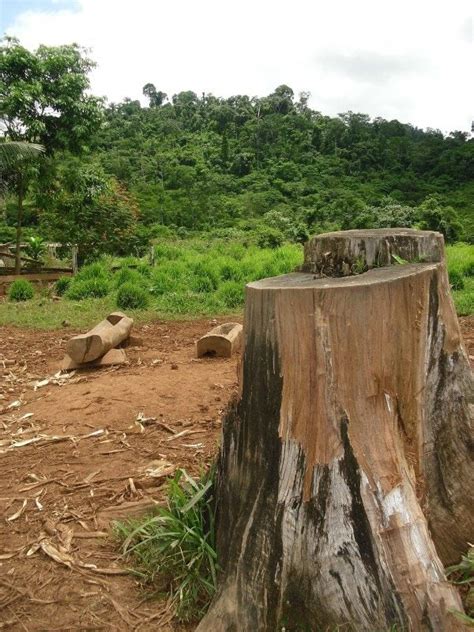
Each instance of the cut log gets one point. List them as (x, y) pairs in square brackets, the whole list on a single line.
[(113, 357), (346, 468), (95, 343), (222, 341)]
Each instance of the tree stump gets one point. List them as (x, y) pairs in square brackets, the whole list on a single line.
[(345, 473)]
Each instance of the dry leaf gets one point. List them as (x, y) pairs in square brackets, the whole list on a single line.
[(19, 512)]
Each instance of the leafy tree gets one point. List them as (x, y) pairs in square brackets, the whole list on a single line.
[(91, 210), (43, 101), (433, 215), (43, 95)]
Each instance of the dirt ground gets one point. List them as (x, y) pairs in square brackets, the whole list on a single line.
[(76, 453), (91, 462)]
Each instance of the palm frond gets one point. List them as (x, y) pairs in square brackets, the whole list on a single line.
[(13, 152)]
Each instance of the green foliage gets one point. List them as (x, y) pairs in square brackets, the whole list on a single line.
[(95, 287), (35, 248), (44, 95), (231, 294), (177, 544), (90, 209), (463, 574), (94, 270), (61, 285), (132, 296), (20, 290), (130, 276), (268, 237)]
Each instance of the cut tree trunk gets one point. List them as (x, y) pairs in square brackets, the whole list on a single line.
[(222, 341), (105, 336), (345, 473)]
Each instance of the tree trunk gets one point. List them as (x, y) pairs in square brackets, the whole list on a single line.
[(345, 474), (105, 336), (19, 222)]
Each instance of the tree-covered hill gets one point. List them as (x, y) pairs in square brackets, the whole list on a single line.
[(113, 177), (203, 161)]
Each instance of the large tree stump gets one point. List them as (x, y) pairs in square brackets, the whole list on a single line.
[(345, 474)]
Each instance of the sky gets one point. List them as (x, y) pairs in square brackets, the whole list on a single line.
[(411, 59)]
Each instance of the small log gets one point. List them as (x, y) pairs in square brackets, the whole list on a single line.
[(346, 466), (113, 357), (105, 336), (222, 341)]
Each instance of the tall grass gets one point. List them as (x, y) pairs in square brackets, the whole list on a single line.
[(176, 545), (192, 278)]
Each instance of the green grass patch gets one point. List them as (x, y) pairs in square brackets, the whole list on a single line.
[(174, 548)]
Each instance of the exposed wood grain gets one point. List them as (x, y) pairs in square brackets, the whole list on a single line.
[(345, 475)]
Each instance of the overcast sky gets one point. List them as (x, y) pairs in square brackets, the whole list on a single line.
[(407, 59)]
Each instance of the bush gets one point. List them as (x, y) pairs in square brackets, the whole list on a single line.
[(177, 544), (268, 237), (62, 285), (131, 296), (80, 289), (95, 270), (231, 293), (129, 275), (20, 290)]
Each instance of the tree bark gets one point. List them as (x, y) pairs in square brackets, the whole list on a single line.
[(345, 474), (105, 336)]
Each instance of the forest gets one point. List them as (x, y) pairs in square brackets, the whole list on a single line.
[(115, 176)]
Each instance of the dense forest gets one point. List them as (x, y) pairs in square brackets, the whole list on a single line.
[(115, 176)]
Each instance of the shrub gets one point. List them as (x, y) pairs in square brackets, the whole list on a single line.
[(96, 270), (131, 296), (162, 282), (87, 288), (177, 544), (20, 290), (204, 277), (62, 285), (231, 293), (268, 237), (230, 270), (128, 275), (167, 252)]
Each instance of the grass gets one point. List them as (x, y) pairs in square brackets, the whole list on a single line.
[(174, 549), (462, 574), (191, 278)]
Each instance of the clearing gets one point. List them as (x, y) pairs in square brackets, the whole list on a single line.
[(72, 487), (59, 569)]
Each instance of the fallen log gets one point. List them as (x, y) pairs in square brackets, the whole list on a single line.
[(222, 341), (346, 468), (105, 336)]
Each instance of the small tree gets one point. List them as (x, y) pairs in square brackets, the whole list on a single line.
[(16, 158)]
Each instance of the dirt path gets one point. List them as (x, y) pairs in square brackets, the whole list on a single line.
[(59, 567), (62, 493)]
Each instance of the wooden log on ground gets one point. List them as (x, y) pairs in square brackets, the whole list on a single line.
[(346, 468), (222, 341), (113, 357), (105, 336)]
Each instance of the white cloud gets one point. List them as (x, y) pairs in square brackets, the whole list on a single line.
[(406, 60)]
